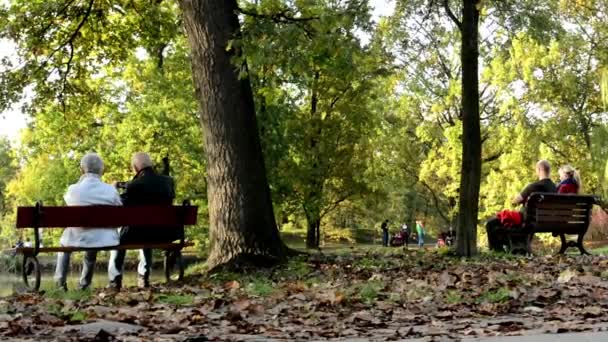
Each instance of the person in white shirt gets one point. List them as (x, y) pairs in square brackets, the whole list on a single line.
[(89, 190)]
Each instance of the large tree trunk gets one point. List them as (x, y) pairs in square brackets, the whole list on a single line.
[(242, 223), (470, 175), (313, 232)]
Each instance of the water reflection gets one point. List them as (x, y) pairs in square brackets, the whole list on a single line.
[(13, 283)]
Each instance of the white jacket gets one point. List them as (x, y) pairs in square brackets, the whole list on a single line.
[(90, 190)]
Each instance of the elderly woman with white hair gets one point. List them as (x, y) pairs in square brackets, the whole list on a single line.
[(89, 190)]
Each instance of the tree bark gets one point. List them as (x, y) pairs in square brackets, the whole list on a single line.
[(313, 232), (242, 223), (470, 175)]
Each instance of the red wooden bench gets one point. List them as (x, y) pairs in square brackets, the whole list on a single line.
[(152, 216)]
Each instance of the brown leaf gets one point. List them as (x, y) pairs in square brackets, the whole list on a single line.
[(241, 305), (592, 311), (446, 280), (589, 280), (232, 285)]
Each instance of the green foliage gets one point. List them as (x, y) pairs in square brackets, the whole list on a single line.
[(175, 299), (495, 296), (75, 295), (369, 291), (260, 287), (453, 297)]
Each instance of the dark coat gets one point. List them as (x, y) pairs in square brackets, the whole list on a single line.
[(149, 188)]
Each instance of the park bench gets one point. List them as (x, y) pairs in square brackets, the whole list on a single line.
[(558, 214), (150, 216)]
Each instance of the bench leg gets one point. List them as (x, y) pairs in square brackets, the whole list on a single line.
[(174, 262), (31, 266), (565, 245), (579, 244), (529, 244)]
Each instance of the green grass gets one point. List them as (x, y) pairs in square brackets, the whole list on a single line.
[(296, 268), (196, 269), (600, 250), (66, 314), (369, 291), (76, 295), (496, 296), (453, 297), (260, 287), (175, 299)]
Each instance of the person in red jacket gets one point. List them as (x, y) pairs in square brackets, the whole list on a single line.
[(570, 180)]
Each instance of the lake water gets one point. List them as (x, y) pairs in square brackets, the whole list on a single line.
[(11, 281)]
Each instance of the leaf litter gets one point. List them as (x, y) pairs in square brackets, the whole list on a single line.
[(375, 295)]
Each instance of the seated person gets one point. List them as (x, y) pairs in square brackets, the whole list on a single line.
[(89, 190), (570, 180), (146, 188), (544, 184)]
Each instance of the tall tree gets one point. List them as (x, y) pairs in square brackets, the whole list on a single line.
[(240, 207), (66, 48), (470, 174)]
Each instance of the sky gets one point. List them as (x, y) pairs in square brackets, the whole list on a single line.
[(13, 120)]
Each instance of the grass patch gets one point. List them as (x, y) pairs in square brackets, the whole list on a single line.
[(260, 287), (75, 295), (175, 299), (225, 276), (77, 316), (196, 269), (453, 297), (68, 315), (370, 291), (600, 250), (500, 295), (296, 268)]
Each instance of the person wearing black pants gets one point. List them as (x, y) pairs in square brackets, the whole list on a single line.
[(384, 228), (544, 184)]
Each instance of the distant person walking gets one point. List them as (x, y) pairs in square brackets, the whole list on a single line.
[(405, 232), (384, 228), (421, 232)]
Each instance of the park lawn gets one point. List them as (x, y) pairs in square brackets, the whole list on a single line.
[(374, 293)]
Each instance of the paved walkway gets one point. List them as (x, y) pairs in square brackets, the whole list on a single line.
[(570, 337)]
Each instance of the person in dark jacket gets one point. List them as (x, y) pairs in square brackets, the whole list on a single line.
[(384, 228), (544, 184), (146, 188)]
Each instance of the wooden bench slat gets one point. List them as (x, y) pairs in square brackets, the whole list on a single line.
[(561, 206), (564, 212), (25, 250), (559, 226), (107, 216), (577, 217)]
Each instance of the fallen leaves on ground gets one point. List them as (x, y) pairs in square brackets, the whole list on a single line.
[(377, 295)]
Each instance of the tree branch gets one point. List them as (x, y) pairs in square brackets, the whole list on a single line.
[(450, 14), (436, 201), (279, 17), (70, 43)]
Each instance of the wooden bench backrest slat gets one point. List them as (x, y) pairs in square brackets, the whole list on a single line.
[(107, 216), (559, 213), (170, 245)]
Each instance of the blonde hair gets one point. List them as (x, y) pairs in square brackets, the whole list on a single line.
[(572, 173)]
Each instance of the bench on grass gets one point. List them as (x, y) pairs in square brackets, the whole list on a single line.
[(150, 216), (558, 214)]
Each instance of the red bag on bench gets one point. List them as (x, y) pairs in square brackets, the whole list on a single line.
[(510, 218)]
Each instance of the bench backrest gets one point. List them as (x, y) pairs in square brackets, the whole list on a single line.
[(106, 216), (559, 213)]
